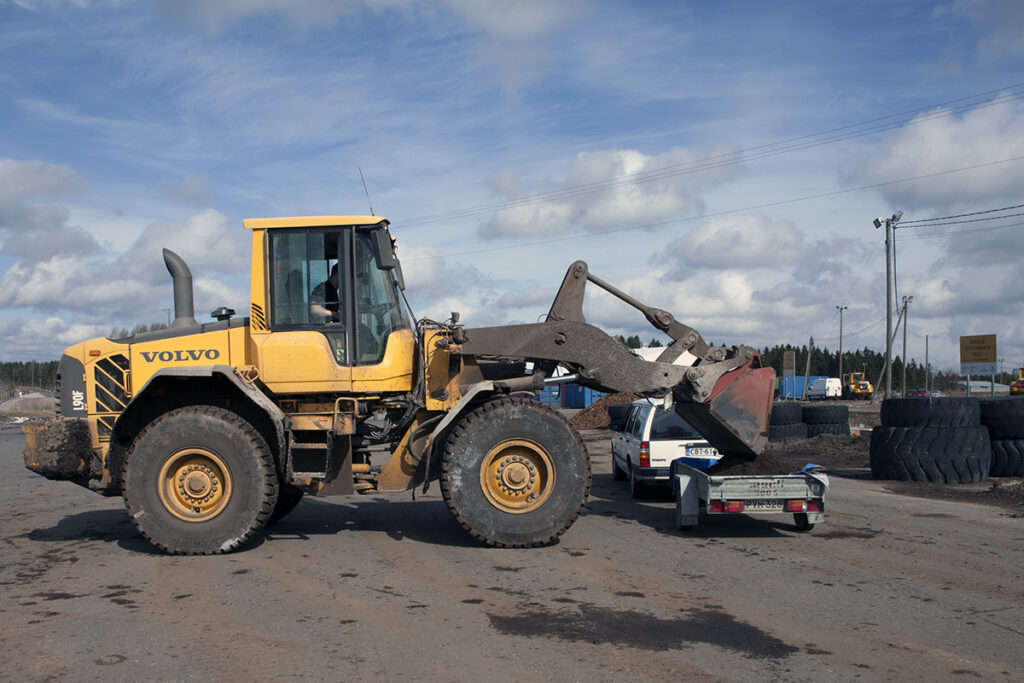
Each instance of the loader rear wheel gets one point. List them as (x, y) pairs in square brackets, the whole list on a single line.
[(200, 480), (514, 473)]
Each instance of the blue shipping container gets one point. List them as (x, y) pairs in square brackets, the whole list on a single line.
[(793, 387)]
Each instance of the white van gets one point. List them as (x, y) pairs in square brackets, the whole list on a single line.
[(825, 387), (647, 442)]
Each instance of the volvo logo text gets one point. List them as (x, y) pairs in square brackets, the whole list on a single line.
[(180, 356)]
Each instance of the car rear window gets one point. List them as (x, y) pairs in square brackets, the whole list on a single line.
[(668, 425)]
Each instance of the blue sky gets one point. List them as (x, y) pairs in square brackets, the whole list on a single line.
[(721, 160)]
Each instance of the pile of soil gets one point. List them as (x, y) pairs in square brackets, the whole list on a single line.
[(831, 451), (33, 405), (732, 465), (595, 416)]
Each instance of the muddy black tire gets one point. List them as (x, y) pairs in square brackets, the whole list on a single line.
[(816, 415), (801, 522), (200, 480), (514, 473), (790, 432), (637, 488), (840, 428), (786, 414), (1004, 417), (1007, 458), (288, 497), (941, 455), (931, 412), (617, 473)]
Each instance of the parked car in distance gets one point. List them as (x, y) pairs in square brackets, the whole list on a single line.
[(924, 393), (825, 387), (649, 439)]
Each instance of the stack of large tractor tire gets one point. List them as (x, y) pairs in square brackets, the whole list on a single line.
[(786, 423), (827, 419), (939, 440), (1004, 418)]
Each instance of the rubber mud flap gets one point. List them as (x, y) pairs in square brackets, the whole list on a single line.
[(60, 449)]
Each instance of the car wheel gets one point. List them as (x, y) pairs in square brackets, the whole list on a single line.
[(637, 489)]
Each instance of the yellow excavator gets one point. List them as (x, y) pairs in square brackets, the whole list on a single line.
[(1017, 382), (210, 431), (856, 387)]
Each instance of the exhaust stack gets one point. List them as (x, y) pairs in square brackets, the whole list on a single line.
[(184, 311)]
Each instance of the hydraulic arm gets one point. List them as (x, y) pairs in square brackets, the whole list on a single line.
[(724, 392)]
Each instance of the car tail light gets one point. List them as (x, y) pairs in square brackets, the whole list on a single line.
[(803, 506), (645, 454), (721, 506)]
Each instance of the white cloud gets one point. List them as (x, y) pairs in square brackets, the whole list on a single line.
[(609, 189), (741, 241), (941, 141)]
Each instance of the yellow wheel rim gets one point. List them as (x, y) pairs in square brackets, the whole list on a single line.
[(195, 485), (517, 476)]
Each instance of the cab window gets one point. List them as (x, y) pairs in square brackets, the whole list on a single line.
[(378, 310), (310, 285)]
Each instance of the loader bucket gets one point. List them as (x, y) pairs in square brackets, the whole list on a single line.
[(734, 419)]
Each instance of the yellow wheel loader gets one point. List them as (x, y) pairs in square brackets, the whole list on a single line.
[(212, 431)]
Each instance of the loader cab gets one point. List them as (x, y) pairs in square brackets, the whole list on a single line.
[(323, 326)]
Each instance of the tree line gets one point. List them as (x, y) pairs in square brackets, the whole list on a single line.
[(825, 362)]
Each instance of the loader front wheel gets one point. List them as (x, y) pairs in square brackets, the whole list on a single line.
[(514, 473), (200, 480)]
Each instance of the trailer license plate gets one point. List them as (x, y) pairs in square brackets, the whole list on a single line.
[(701, 452), (764, 505)]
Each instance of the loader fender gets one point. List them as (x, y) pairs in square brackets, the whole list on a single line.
[(226, 372), (470, 397)]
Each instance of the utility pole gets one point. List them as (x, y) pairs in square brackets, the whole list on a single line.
[(906, 317), (927, 366), (890, 223), (841, 309)]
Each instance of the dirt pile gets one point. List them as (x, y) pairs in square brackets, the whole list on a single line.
[(595, 416), (732, 465), (831, 451), (33, 405)]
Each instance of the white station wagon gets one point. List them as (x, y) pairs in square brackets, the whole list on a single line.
[(649, 439)]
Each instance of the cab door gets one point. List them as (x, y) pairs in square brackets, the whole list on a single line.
[(308, 348)]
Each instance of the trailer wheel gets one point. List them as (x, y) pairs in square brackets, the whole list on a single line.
[(514, 473), (800, 519), (288, 497), (200, 480)]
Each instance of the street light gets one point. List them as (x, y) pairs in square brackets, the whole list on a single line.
[(890, 223), (841, 309)]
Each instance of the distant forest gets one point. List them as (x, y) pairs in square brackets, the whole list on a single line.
[(825, 362)]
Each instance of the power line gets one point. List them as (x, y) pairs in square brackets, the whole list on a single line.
[(921, 221), (963, 232), (726, 212), (731, 158)]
